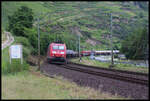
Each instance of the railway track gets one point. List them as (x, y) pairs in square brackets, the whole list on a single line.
[(132, 77), (109, 69), (104, 81)]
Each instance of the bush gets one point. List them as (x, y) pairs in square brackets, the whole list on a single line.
[(23, 40), (32, 36), (26, 52), (27, 48), (45, 40), (14, 67)]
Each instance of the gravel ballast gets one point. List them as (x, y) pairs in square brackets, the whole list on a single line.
[(122, 88)]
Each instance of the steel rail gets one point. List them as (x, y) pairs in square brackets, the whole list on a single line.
[(109, 75), (109, 69)]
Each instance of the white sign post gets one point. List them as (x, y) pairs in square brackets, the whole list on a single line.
[(15, 52)]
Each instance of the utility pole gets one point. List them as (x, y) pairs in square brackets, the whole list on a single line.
[(147, 55), (38, 45), (76, 45), (112, 62), (147, 60), (79, 49), (38, 30)]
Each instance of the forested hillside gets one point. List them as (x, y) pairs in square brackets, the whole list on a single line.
[(91, 20)]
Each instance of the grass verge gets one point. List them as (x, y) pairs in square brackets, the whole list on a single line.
[(33, 85), (87, 61), (15, 65)]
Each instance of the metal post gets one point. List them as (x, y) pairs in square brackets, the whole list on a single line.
[(147, 55), (10, 54), (71, 45), (38, 45), (79, 49), (21, 55), (76, 46), (147, 52), (79, 45), (112, 62)]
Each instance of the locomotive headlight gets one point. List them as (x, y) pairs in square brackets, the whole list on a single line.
[(61, 52), (53, 52)]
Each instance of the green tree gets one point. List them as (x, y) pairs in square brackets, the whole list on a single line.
[(31, 34), (134, 45), (22, 18), (45, 40)]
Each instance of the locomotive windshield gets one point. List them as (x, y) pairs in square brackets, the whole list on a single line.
[(58, 47), (61, 47), (55, 47)]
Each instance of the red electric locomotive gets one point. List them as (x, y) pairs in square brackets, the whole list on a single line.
[(56, 52)]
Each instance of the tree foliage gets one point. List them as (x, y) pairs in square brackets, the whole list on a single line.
[(143, 5), (22, 18), (135, 45)]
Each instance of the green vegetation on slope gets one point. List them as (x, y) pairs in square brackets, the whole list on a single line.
[(9, 7), (67, 20)]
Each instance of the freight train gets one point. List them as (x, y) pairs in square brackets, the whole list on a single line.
[(71, 53), (57, 52)]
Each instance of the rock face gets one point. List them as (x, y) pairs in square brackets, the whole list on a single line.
[(9, 40), (75, 30), (91, 42), (94, 41), (32, 60)]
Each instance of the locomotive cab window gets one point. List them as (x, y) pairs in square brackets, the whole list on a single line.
[(55, 47), (58, 47), (61, 47)]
